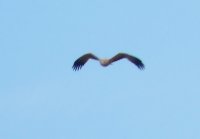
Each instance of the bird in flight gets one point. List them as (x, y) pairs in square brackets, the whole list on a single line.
[(80, 62)]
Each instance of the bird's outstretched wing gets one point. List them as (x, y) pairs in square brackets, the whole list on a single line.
[(131, 58), (82, 60)]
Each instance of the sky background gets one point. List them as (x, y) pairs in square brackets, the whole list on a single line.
[(41, 97)]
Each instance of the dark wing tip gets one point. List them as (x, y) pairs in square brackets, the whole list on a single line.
[(136, 61), (77, 65), (139, 64)]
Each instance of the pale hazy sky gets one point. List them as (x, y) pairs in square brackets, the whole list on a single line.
[(41, 97)]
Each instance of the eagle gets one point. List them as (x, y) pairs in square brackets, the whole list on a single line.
[(80, 62)]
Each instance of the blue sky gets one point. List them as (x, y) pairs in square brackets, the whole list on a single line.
[(41, 97)]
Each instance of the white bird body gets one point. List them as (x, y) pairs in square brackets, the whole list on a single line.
[(104, 62), (80, 62)]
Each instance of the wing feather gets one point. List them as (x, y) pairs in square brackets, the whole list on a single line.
[(80, 62), (131, 58)]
